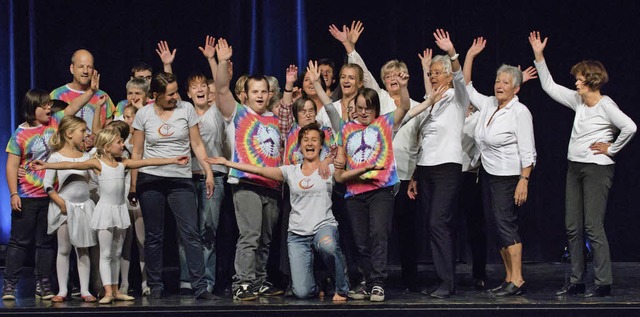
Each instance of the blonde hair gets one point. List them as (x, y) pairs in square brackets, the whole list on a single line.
[(67, 124), (105, 138)]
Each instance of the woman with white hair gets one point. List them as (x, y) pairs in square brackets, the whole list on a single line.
[(504, 136)]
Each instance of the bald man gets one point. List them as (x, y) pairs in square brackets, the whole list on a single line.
[(82, 69)]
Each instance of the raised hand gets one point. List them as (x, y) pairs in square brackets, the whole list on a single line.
[(292, 74), (443, 40), (477, 46), (425, 58), (182, 160), (312, 70), (342, 36), (95, 81), (403, 79), (528, 74), (166, 55), (218, 160), (101, 101), (437, 94), (537, 44), (223, 50), (354, 32), (209, 49)]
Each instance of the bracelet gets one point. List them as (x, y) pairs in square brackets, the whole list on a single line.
[(12, 194), (524, 177), (288, 90), (454, 57)]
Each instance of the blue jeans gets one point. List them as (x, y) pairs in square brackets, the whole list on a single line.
[(209, 214), (326, 242), (154, 192)]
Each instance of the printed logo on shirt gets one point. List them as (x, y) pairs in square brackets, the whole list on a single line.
[(166, 130), (305, 183), (266, 138), (363, 145)]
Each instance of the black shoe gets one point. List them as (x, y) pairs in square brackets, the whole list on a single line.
[(598, 291), (510, 290), (43, 289), (499, 287), (268, 289), (479, 284), (571, 289), (156, 293), (207, 296), (8, 291), (186, 291), (243, 292)]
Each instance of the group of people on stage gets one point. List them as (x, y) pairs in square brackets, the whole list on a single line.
[(338, 165)]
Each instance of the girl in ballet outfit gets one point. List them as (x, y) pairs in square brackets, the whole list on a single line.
[(70, 209), (110, 217)]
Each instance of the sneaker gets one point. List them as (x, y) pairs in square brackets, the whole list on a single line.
[(359, 292), (243, 293), (8, 291), (268, 289), (75, 291), (206, 295), (377, 294), (43, 289)]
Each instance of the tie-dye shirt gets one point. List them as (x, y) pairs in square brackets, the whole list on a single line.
[(257, 142), (66, 94), (32, 143), (367, 145), (293, 155)]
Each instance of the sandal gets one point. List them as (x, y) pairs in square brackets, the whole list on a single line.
[(58, 299), (107, 299), (89, 298)]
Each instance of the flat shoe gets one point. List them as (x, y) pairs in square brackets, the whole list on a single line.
[(58, 299), (123, 297), (89, 298), (107, 299)]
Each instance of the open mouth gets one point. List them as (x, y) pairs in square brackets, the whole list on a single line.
[(310, 149)]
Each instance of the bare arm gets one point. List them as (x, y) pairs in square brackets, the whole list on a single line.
[(444, 43), (225, 101), (137, 150), (132, 164), (425, 61), (475, 49), (76, 104), (315, 77), (201, 153), (166, 56), (209, 52), (94, 164), (13, 164), (273, 173), (290, 78), (405, 102)]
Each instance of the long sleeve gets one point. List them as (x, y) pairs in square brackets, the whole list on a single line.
[(334, 116), (369, 81), (460, 89), (477, 99), (525, 138), (561, 94), (621, 121)]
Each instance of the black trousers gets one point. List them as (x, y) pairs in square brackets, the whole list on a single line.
[(404, 216), (439, 186), (470, 204)]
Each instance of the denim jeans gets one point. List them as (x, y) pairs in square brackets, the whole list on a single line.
[(29, 228), (208, 220), (301, 253), (154, 192), (257, 214)]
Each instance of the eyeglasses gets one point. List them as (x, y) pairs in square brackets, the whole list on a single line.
[(46, 105), (304, 111), (147, 78), (435, 74), (364, 110)]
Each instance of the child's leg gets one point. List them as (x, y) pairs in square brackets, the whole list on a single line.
[(84, 270), (105, 240), (126, 260), (62, 260), (116, 255)]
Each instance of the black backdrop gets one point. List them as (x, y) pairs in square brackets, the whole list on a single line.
[(268, 35)]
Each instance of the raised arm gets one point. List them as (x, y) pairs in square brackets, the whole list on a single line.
[(405, 101), (425, 61), (225, 101), (76, 104), (561, 94), (316, 77), (476, 48), (209, 52), (354, 57), (433, 98), (96, 124), (285, 116), (273, 173), (291, 76), (444, 43), (166, 56)]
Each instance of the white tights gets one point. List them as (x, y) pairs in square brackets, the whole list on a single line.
[(62, 263), (110, 241), (126, 250)]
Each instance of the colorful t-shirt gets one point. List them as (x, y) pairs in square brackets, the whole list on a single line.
[(367, 145), (32, 143), (66, 94), (257, 142), (293, 155)]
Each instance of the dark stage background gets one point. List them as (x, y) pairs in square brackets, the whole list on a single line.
[(38, 37)]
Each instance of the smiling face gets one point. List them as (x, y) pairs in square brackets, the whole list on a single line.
[(198, 91), (438, 76), (81, 68), (349, 81), (307, 86), (327, 74), (77, 136), (503, 88), (258, 95), (136, 95), (365, 114), (307, 114), (168, 99), (311, 145), (115, 148), (391, 81)]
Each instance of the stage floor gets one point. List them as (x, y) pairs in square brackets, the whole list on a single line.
[(543, 279)]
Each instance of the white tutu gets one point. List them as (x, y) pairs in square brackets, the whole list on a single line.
[(110, 216), (78, 218)]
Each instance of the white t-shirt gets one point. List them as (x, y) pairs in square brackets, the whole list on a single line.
[(166, 139), (211, 125), (310, 200)]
